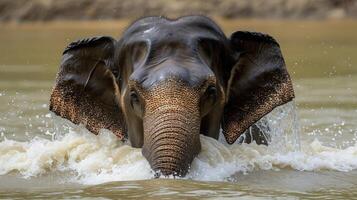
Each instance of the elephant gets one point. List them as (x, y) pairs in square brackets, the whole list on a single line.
[(166, 81)]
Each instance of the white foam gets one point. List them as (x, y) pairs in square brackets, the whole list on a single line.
[(98, 159), (83, 153)]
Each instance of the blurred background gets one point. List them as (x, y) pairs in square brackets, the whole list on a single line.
[(46, 10)]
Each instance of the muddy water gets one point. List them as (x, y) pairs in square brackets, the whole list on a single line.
[(42, 156)]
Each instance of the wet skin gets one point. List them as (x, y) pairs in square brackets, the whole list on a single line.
[(165, 82)]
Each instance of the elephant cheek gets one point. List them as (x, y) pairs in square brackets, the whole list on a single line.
[(171, 141)]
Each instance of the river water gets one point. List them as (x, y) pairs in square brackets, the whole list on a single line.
[(314, 139)]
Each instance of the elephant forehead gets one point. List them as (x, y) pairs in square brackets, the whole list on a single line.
[(191, 73), (156, 28)]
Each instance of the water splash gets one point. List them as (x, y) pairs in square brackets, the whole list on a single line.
[(98, 159), (280, 128)]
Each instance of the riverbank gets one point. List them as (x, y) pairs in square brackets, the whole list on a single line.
[(49, 10)]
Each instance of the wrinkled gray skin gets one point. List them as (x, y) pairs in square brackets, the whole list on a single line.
[(165, 82)]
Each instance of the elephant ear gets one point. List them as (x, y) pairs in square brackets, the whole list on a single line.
[(258, 82), (86, 91)]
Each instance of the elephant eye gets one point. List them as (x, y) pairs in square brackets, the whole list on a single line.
[(136, 102), (134, 97), (208, 99), (211, 91)]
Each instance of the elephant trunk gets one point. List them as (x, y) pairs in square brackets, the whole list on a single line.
[(171, 142), (171, 134)]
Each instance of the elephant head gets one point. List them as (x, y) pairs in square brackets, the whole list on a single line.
[(165, 82)]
